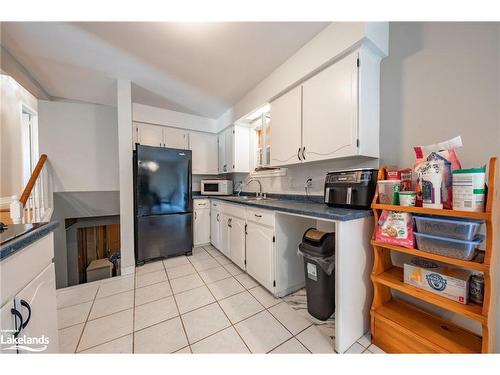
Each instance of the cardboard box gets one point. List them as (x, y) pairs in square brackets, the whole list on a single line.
[(438, 278)]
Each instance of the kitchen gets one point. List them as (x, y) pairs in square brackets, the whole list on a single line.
[(256, 230)]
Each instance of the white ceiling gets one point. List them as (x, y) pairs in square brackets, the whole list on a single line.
[(198, 68)]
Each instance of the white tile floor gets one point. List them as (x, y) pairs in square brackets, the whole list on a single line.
[(198, 304)]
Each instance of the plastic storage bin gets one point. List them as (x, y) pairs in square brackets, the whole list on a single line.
[(448, 247), (459, 229)]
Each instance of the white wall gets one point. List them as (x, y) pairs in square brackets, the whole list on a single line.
[(81, 142), (165, 117), (441, 80), (12, 96), (125, 137)]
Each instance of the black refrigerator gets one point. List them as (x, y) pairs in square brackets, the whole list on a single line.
[(163, 202)]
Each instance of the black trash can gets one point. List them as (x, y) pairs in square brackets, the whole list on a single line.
[(318, 250)]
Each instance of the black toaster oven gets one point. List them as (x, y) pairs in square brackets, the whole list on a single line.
[(351, 188)]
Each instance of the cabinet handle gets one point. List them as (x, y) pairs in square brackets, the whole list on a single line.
[(229, 223), (27, 305), (256, 215), (303, 153), (217, 217), (202, 204), (195, 215), (298, 154), (17, 314)]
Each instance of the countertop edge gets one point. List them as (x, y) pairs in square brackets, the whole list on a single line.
[(26, 239), (353, 215)]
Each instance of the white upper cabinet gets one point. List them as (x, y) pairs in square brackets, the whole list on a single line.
[(334, 114), (149, 135), (286, 128), (175, 138), (234, 149), (161, 136), (329, 110), (204, 152)]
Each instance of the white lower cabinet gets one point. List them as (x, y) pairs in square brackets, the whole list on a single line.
[(215, 225), (37, 304), (260, 254), (224, 234), (237, 241), (33, 312), (201, 227)]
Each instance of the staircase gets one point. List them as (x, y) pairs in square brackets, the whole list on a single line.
[(35, 204)]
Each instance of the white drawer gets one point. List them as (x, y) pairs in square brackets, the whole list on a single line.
[(260, 216), (234, 210), (201, 203), (215, 205)]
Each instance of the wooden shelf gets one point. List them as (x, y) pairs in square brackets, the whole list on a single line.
[(401, 327), (469, 264), (433, 211), (393, 278), (415, 329)]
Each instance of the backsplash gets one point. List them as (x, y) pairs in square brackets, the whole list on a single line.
[(296, 176)]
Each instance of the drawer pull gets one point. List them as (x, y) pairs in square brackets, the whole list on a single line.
[(256, 215), (28, 307), (17, 314)]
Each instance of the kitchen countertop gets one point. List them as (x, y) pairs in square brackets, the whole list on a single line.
[(295, 206), (26, 239)]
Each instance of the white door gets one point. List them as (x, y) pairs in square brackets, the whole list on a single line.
[(214, 228), (229, 148), (149, 135), (37, 302), (224, 235), (204, 153), (221, 153), (237, 241), (201, 227), (286, 128), (330, 99), (260, 254), (8, 325), (175, 138)]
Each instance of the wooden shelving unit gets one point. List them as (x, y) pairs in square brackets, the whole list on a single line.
[(400, 327)]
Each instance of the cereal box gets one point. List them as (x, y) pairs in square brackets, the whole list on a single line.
[(438, 278)]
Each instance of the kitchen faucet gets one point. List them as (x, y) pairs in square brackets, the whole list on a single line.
[(260, 185)]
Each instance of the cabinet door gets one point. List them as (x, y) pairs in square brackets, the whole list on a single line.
[(149, 135), (221, 153), (204, 153), (260, 254), (7, 328), (175, 138), (237, 241), (201, 228), (229, 149), (214, 228), (224, 235), (330, 125), (286, 128), (40, 295)]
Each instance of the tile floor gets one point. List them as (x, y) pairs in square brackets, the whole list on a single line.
[(198, 304)]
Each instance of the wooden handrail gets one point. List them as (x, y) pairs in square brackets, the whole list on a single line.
[(31, 182)]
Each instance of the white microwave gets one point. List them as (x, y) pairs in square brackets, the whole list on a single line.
[(216, 187)]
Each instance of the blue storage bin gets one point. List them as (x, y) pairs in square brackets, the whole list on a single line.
[(460, 229), (448, 247)]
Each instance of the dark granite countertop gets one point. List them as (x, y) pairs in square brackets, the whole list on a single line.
[(19, 243), (297, 206)]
